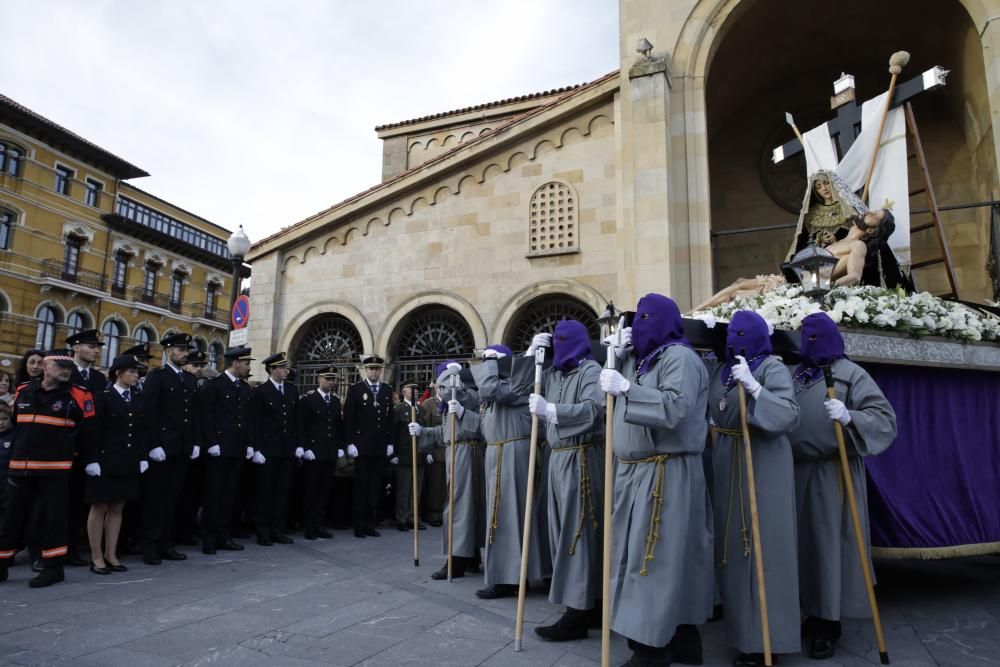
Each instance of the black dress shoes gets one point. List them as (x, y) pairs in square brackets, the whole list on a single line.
[(359, 533), (371, 532), (402, 527), (821, 648), (208, 550), (265, 541), (117, 568), (172, 554), (457, 570), (324, 534), (48, 576), (496, 591), (752, 660), (100, 570), (151, 559), (282, 539), (229, 545), (309, 535)]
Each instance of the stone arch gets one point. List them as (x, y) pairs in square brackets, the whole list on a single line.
[(386, 341), (427, 336), (326, 339), (5, 303), (542, 313), (573, 289), (55, 306), (86, 316), (298, 325)]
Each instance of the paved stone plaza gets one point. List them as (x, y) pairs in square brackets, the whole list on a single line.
[(347, 602)]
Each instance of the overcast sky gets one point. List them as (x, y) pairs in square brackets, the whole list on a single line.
[(262, 113)]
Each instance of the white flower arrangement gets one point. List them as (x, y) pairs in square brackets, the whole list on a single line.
[(866, 307)]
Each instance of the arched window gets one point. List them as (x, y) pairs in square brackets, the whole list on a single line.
[(542, 314), (113, 332), (142, 335), (215, 352), (47, 319), (76, 322), (11, 156), (552, 220), (428, 336), (7, 220), (330, 340)]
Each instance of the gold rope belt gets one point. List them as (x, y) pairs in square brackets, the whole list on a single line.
[(735, 480), (732, 432), (656, 497), (586, 494), (496, 485)]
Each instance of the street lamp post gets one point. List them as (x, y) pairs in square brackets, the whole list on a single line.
[(239, 246)]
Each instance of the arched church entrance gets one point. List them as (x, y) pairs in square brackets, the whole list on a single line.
[(327, 340), (808, 45), (426, 337), (542, 314)]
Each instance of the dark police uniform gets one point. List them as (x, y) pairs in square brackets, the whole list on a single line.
[(225, 422), (273, 433), (321, 431), (367, 426), (51, 425), (169, 394), (118, 449)]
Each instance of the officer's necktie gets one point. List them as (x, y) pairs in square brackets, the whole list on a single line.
[(85, 372), (327, 398), (127, 396), (180, 375), (281, 389)]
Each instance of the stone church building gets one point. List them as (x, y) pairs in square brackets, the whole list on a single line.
[(493, 221)]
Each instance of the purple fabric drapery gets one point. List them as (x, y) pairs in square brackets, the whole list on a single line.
[(936, 492)]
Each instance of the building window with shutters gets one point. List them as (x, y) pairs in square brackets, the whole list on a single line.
[(149, 282), (93, 194), (11, 157), (119, 275), (7, 220), (177, 290), (64, 176), (71, 258)]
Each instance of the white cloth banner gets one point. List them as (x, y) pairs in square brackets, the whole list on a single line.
[(819, 150)]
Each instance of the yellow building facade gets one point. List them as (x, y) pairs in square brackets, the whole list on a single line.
[(81, 248)]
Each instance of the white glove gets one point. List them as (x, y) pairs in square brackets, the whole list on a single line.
[(454, 367), (415, 428), (493, 354), (308, 455), (299, 452), (214, 450), (394, 460), (157, 454), (743, 375), (537, 341), (455, 408), (838, 411), (249, 453), (352, 451), (619, 347), (613, 382), (195, 452), (340, 453), (93, 469), (143, 466), (430, 459), (258, 458), (537, 405), (389, 450)]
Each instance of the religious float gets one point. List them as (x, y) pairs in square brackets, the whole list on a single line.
[(934, 493)]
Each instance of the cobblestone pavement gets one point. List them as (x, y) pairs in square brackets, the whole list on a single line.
[(347, 602)]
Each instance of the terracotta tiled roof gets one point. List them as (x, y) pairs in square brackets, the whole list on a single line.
[(570, 92), (24, 119), (481, 107)]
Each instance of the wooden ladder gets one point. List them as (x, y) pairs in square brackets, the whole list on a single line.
[(932, 207)]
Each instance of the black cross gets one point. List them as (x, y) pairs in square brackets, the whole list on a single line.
[(846, 127)]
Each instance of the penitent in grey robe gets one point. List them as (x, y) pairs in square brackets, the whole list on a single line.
[(662, 549), (771, 416), (469, 530), (831, 584), (575, 483), (505, 424)]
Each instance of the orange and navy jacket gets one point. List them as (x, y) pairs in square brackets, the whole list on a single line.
[(51, 425)]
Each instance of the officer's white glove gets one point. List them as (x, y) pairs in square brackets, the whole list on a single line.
[(430, 459), (394, 460), (249, 453), (215, 450), (308, 455), (838, 411), (352, 451), (143, 466), (157, 454), (93, 469), (537, 341), (299, 452), (613, 382), (454, 367), (340, 453), (743, 375), (195, 452), (493, 354), (415, 428), (455, 408), (389, 450), (619, 346), (258, 458)]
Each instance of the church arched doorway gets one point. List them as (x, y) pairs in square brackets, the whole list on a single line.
[(328, 340), (426, 337), (542, 314), (808, 45)]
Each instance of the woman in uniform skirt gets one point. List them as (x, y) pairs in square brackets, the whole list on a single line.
[(115, 463)]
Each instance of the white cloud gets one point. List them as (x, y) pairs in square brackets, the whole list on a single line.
[(262, 113)]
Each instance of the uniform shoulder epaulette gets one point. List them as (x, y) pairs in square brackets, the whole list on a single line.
[(309, 393)]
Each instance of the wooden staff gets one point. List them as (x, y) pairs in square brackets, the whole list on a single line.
[(758, 554), (451, 479), (845, 470), (897, 61), (413, 448), (528, 506), (609, 470)]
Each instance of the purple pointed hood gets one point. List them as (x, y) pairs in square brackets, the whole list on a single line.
[(570, 345), (821, 345), (657, 325), (746, 336)]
